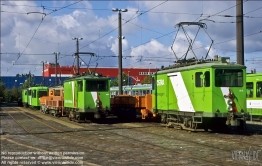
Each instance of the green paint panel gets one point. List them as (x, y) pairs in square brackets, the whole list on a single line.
[(198, 89), (33, 95), (254, 93), (84, 92)]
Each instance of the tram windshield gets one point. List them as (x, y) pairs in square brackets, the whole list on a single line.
[(96, 85), (42, 93), (228, 78)]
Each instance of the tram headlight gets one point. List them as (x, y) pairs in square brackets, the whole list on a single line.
[(230, 108), (229, 102), (97, 103)]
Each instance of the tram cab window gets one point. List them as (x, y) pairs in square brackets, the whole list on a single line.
[(42, 93), (95, 85), (29, 92), (249, 89), (228, 78), (259, 89), (57, 92)]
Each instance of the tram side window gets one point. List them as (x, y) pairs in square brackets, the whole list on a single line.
[(250, 89), (153, 83), (34, 94), (259, 89), (80, 86), (198, 81), (207, 79)]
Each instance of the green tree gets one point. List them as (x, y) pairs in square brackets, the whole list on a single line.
[(15, 94), (29, 81), (124, 78), (147, 80), (2, 88), (7, 95)]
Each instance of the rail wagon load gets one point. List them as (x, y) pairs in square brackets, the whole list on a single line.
[(136, 101), (254, 96), (87, 97)]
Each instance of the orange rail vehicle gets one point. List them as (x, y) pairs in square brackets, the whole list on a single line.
[(54, 102), (125, 106)]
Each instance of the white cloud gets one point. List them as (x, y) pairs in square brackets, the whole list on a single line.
[(67, 21), (144, 36)]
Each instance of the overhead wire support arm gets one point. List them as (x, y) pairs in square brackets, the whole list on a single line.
[(37, 12), (173, 44), (189, 40), (212, 41), (200, 24), (90, 53)]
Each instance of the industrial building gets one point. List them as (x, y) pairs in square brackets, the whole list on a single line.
[(14, 81), (136, 75)]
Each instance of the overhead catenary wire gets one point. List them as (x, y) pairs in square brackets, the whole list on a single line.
[(224, 10), (19, 55), (216, 43), (69, 40), (122, 25), (64, 7)]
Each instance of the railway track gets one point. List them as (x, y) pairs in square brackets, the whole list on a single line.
[(49, 129), (156, 145), (214, 138), (125, 133)]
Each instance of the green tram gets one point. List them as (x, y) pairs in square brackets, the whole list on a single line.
[(87, 97), (203, 94), (254, 96), (132, 90), (30, 96)]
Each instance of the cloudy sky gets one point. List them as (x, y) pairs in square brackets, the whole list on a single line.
[(32, 30)]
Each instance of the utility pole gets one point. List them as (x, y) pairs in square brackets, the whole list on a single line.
[(120, 79), (43, 75), (128, 78), (77, 54), (239, 32), (29, 79), (43, 79), (56, 54)]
